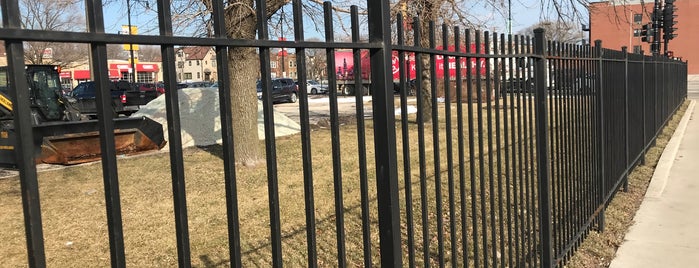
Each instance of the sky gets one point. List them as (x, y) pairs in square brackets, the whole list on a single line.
[(524, 13)]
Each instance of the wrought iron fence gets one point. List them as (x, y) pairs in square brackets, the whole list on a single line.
[(516, 147)]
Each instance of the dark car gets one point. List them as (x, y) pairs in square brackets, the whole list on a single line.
[(125, 100), (283, 89), (83, 97), (194, 85), (160, 88), (410, 85), (518, 85)]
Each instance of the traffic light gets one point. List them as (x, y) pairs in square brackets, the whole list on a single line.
[(647, 33), (669, 21)]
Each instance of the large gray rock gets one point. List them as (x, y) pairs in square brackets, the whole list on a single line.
[(200, 117)]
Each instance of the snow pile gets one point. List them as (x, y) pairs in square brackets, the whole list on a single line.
[(200, 117)]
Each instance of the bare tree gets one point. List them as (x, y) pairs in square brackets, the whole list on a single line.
[(316, 63), (149, 53), (241, 23), (560, 31), (53, 15)]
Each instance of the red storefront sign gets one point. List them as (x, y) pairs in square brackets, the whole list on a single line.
[(65, 74), (120, 67), (81, 74), (141, 67)]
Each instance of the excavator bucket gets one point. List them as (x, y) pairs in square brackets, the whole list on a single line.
[(69, 143)]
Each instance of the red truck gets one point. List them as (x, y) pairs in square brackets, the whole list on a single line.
[(344, 68)]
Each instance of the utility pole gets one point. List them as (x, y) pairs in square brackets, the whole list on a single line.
[(132, 75), (509, 17)]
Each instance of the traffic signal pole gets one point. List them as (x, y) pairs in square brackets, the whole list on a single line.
[(668, 19), (655, 46)]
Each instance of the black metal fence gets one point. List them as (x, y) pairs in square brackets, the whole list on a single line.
[(514, 151)]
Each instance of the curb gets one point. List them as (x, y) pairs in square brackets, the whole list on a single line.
[(667, 158)]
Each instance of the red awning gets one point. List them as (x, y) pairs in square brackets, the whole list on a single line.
[(146, 67), (114, 73), (81, 74), (122, 67), (65, 74)]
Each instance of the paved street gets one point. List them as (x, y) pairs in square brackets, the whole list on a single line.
[(664, 231), (693, 87)]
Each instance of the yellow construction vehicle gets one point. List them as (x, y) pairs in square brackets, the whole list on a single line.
[(62, 135)]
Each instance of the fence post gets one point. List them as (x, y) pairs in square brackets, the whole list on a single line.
[(384, 134), (24, 146), (655, 99), (600, 140), (643, 104), (542, 148), (624, 50)]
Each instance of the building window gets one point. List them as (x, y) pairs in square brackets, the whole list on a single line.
[(213, 63), (636, 32), (197, 63), (637, 18), (190, 62), (144, 77), (292, 64), (637, 49), (198, 75), (273, 64), (187, 76)]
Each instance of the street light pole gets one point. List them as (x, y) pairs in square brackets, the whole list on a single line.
[(509, 16), (133, 64)]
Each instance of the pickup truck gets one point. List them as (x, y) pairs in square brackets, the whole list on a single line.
[(125, 99)]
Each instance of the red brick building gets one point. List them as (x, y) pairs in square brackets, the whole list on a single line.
[(618, 23)]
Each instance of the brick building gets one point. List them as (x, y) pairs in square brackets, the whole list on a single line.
[(283, 64), (618, 23)]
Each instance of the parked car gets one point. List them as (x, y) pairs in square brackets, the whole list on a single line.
[(410, 85), (518, 85), (125, 100), (585, 83), (160, 88), (316, 88), (200, 84), (283, 89)]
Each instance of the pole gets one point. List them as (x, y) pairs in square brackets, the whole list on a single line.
[(509, 16), (542, 150), (281, 30), (132, 76), (655, 47)]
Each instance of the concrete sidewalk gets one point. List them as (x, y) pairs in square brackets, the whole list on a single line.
[(665, 232)]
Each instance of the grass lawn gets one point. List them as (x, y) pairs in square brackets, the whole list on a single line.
[(75, 228)]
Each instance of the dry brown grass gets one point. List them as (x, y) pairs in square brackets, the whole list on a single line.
[(75, 228)]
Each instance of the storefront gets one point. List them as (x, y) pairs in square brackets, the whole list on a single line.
[(66, 81), (145, 72)]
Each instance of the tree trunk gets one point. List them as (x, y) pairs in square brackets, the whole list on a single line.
[(428, 14), (426, 88), (244, 65)]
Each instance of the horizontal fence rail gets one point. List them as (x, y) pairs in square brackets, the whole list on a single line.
[(476, 149)]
